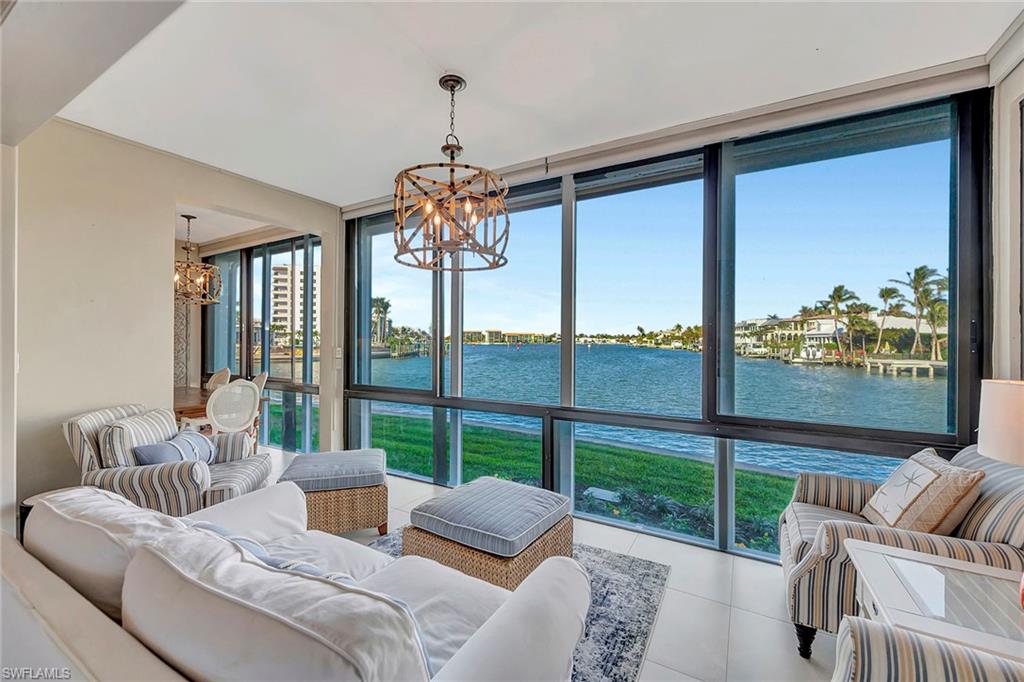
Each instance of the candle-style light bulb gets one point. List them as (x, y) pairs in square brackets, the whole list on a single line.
[(437, 219), (428, 208)]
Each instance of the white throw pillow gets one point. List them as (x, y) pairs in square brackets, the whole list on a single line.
[(926, 493), (88, 536), (214, 611)]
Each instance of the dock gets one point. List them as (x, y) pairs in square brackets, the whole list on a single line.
[(911, 367)]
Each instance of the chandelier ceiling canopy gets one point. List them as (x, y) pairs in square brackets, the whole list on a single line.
[(450, 216), (195, 282)]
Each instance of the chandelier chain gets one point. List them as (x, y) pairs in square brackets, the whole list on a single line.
[(451, 118), (188, 238)]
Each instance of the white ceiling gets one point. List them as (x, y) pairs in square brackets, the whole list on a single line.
[(211, 225), (332, 99), (50, 51)]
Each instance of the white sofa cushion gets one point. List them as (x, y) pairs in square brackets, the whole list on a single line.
[(215, 612), (329, 553), (448, 605), (263, 515), (88, 536)]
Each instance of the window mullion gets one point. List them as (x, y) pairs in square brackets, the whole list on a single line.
[(567, 350), (440, 447), (454, 459), (560, 445)]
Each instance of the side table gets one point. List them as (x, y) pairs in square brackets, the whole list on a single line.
[(973, 605)]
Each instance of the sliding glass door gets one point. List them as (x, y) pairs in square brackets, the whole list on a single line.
[(675, 339), (268, 320)]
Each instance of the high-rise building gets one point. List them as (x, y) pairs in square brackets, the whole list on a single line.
[(287, 303)]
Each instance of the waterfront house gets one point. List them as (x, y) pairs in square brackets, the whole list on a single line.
[(510, 341), (822, 329)]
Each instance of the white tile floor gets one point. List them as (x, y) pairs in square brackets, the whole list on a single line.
[(722, 618)]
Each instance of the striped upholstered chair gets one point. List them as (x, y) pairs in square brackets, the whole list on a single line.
[(825, 511), (175, 488), (867, 651)]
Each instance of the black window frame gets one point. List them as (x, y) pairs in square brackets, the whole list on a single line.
[(291, 390), (971, 248)]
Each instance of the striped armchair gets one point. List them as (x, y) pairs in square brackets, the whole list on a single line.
[(825, 510), (867, 651), (175, 488)]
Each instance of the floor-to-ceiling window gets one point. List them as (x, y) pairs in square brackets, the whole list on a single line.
[(674, 340), (222, 324), (274, 289)]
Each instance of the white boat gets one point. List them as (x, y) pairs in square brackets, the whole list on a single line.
[(811, 353), (756, 350)]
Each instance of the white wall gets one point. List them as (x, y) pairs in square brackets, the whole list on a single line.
[(95, 304), (1006, 222)]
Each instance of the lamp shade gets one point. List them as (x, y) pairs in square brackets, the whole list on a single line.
[(1001, 423)]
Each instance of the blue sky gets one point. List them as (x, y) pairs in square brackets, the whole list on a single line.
[(800, 230)]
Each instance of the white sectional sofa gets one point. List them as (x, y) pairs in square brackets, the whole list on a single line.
[(122, 592)]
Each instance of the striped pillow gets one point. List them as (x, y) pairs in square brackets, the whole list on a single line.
[(998, 514), (119, 439)]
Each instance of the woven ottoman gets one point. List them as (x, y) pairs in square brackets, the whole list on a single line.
[(345, 490), (495, 530)]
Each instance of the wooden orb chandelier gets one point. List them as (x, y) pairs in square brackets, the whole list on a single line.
[(195, 282), (450, 216)]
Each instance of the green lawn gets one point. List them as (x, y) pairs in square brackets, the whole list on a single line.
[(657, 490), (660, 491), (276, 424)]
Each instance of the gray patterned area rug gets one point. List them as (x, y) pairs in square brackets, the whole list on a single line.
[(625, 593)]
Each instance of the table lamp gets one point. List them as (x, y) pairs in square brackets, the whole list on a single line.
[(1001, 427)]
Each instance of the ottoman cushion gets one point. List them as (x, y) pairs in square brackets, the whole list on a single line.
[(492, 515), (337, 470)]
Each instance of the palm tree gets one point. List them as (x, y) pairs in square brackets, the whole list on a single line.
[(936, 314), (857, 320), (833, 304), (891, 307), (379, 309), (807, 311), (277, 332), (640, 330), (918, 281)]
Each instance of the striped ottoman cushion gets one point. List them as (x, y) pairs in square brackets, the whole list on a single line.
[(337, 470), (491, 515)]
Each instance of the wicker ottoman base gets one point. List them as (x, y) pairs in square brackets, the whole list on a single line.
[(505, 572), (348, 509)]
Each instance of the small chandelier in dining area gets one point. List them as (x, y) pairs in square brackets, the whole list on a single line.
[(451, 216), (195, 282)]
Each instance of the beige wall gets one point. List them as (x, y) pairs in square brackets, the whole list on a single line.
[(95, 306), (8, 336), (1006, 223)]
